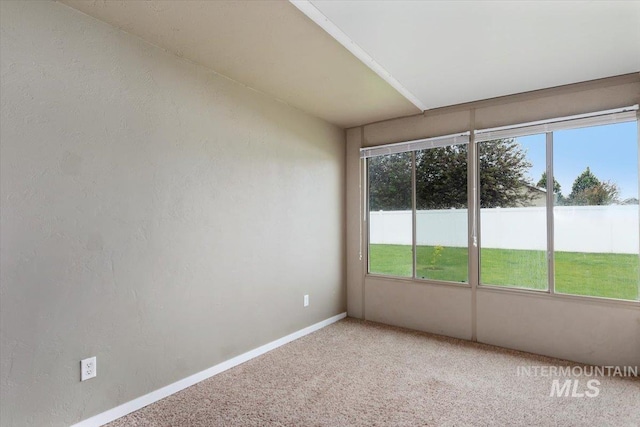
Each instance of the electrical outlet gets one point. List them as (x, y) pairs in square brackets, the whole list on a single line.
[(306, 300), (88, 368)]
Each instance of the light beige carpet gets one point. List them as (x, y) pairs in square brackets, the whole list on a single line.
[(355, 373)]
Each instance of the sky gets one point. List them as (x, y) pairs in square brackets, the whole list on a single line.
[(610, 151)]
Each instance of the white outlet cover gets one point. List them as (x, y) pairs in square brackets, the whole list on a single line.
[(88, 368), (306, 300)]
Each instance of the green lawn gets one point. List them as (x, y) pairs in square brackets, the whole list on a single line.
[(604, 275)]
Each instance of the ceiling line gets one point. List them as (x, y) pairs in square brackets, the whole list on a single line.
[(306, 7)]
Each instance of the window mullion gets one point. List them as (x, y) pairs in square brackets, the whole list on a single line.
[(473, 218), (550, 205), (638, 194), (473, 198), (413, 212)]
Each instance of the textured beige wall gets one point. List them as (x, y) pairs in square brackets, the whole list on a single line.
[(597, 332), (268, 45), (356, 251), (439, 309), (580, 330), (153, 214)]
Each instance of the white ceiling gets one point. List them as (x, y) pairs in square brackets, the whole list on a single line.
[(451, 52), (435, 53)]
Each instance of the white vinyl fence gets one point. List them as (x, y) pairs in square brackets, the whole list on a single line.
[(601, 229)]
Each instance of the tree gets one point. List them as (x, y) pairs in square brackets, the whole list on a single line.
[(543, 184), (605, 193), (503, 174), (390, 182), (588, 190), (583, 182), (557, 190), (441, 177)]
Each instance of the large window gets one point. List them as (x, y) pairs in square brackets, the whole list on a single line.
[(390, 207), (418, 211), (596, 212), (441, 214), (554, 207), (513, 200)]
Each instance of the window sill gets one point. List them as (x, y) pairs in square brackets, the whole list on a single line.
[(417, 281), (567, 297), (545, 294)]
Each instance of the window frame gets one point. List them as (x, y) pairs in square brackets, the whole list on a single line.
[(549, 203), (620, 115), (413, 146)]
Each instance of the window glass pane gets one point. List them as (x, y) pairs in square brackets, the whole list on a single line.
[(390, 215), (596, 217), (441, 214), (513, 228)]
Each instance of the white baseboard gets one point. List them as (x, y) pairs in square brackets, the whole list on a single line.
[(154, 396)]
